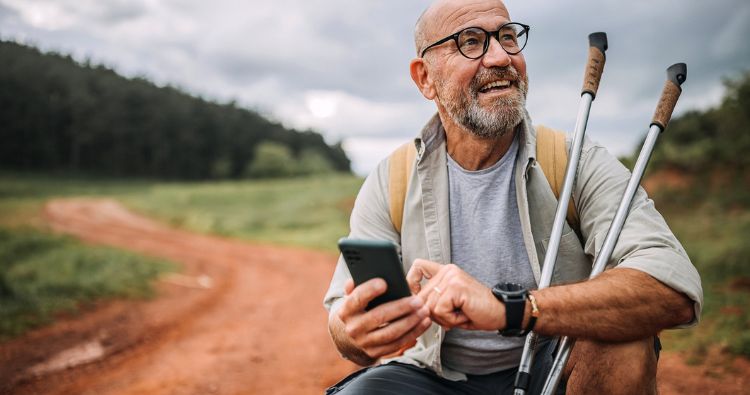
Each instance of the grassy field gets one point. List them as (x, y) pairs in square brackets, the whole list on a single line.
[(42, 274), (314, 213), (308, 212), (716, 240)]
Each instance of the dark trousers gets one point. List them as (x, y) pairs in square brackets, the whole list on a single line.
[(402, 379)]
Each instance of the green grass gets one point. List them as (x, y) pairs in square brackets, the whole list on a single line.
[(716, 239), (42, 275), (308, 212), (23, 195)]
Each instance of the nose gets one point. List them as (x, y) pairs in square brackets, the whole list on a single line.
[(496, 55)]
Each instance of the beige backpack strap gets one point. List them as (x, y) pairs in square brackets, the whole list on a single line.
[(551, 152), (400, 165), (552, 156)]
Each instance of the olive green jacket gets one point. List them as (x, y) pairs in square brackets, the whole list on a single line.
[(646, 242)]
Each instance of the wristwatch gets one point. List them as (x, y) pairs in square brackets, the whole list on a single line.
[(513, 296)]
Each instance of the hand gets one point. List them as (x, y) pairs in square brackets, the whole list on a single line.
[(385, 329), (455, 299)]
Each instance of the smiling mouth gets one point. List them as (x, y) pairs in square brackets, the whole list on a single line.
[(496, 86)]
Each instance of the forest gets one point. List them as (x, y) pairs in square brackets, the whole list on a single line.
[(61, 115)]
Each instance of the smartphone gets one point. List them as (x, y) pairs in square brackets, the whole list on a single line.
[(368, 259)]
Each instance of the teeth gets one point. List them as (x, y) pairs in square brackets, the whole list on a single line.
[(496, 84)]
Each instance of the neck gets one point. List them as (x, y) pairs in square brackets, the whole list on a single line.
[(472, 152)]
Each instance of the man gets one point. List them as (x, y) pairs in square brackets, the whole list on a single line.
[(478, 198)]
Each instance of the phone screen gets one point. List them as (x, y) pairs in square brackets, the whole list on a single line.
[(368, 259)]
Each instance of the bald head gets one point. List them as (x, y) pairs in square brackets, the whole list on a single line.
[(436, 21)]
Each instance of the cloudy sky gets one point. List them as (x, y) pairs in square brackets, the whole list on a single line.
[(341, 66)]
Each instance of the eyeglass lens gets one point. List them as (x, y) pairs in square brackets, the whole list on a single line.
[(472, 42)]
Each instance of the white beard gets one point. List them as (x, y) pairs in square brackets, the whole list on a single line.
[(505, 113)]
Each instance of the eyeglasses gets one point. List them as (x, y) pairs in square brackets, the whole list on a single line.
[(473, 42)]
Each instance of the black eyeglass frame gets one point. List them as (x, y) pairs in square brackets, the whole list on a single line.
[(489, 35)]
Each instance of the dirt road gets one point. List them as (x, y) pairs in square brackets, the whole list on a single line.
[(244, 318), (240, 319)]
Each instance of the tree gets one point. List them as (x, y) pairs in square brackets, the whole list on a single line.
[(57, 114), (271, 160), (312, 162)]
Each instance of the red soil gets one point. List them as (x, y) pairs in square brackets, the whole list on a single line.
[(258, 328)]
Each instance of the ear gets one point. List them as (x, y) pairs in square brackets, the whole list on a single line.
[(421, 76)]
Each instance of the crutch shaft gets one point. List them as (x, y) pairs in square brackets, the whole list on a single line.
[(548, 267), (553, 379), (592, 76), (676, 75), (527, 358)]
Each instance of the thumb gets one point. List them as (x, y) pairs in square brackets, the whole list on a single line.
[(361, 295)]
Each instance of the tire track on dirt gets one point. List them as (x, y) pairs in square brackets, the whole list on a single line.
[(260, 328)]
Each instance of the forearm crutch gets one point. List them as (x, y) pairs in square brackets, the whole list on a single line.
[(594, 68), (676, 75)]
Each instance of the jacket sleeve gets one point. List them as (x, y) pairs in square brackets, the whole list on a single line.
[(370, 219), (646, 242)]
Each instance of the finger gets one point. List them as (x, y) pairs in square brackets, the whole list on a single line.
[(388, 312), (361, 295), (451, 319), (414, 278), (438, 280), (403, 341), (349, 286), (396, 329), (447, 309), (414, 284), (432, 291), (419, 270), (431, 295)]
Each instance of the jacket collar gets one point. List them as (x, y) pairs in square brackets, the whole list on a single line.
[(432, 137)]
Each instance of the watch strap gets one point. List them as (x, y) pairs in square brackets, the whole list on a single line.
[(529, 326), (513, 297), (514, 310)]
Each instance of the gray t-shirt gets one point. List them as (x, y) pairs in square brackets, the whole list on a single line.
[(487, 243)]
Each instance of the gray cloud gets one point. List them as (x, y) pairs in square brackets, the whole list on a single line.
[(7, 13), (341, 66), (644, 39), (336, 51)]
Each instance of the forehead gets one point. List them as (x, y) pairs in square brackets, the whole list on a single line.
[(451, 16)]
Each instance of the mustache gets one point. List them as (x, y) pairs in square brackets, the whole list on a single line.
[(486, 76)]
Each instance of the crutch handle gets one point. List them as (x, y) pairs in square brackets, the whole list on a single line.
[(676, 75), (595, 64)]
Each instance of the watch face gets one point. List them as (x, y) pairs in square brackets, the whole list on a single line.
[(511, 289)]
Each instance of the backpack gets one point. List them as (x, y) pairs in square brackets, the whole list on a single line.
[(551, 154)]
